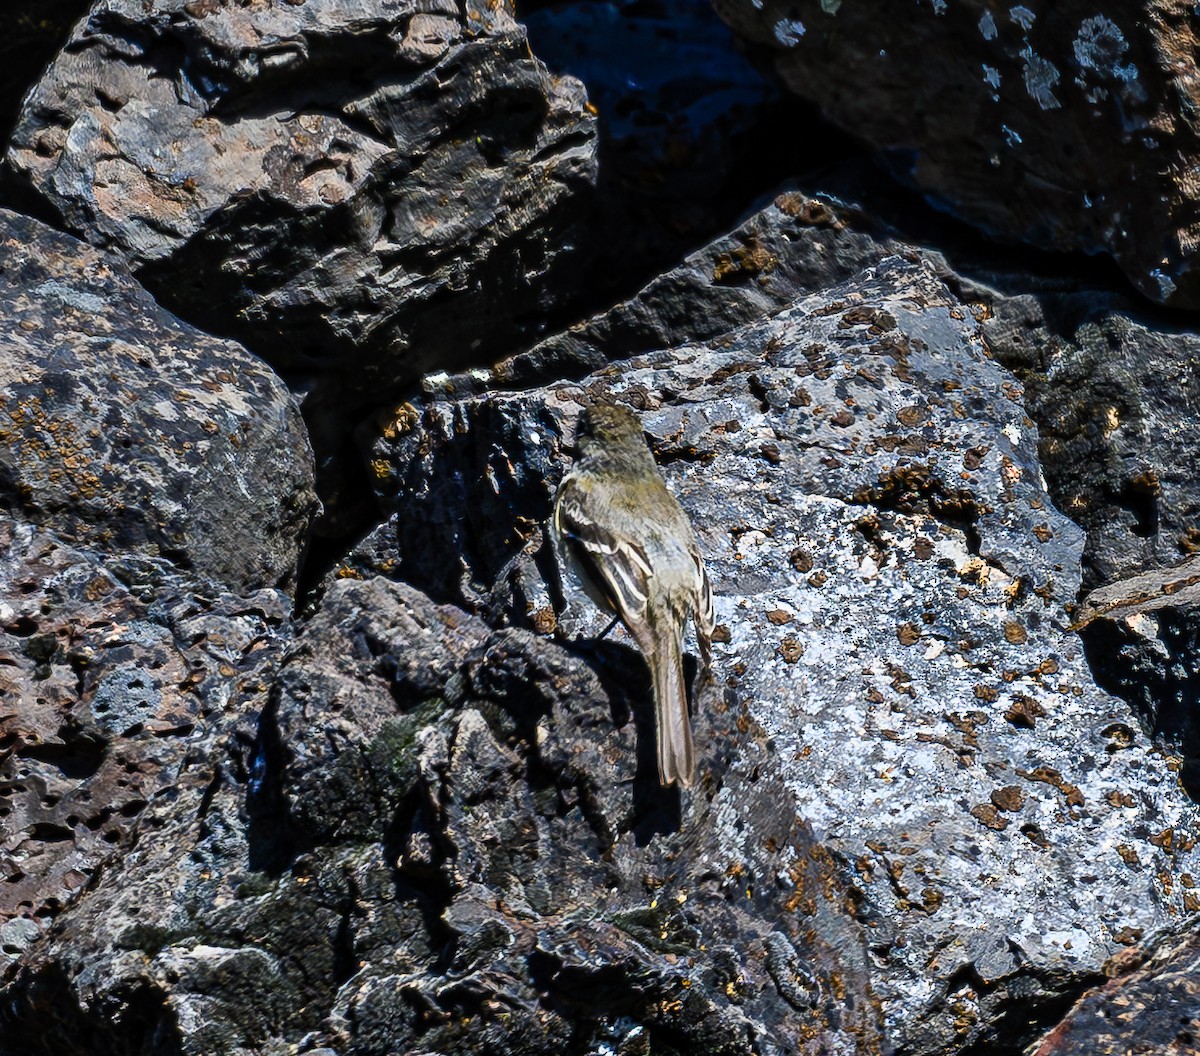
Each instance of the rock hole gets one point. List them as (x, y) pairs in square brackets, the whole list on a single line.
[(22, 627)]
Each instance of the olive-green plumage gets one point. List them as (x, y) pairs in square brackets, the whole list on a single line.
[(633, 548)]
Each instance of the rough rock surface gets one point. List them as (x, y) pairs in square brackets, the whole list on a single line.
[(796, 244), (1152, 1006), (451, 842), (360, 191), (1117, 401), (893, 579), (105, 699), (425, 818), (1143, 637), (1114, 393), (1004, 123), (123, 429)]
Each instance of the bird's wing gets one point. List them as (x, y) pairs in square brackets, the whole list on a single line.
[(616, 565)]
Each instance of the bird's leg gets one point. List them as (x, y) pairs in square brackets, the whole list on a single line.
[(604, 633)]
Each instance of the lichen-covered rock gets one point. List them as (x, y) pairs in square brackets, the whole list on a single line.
[(361, 191), (128, 432), (104, 699), (1151, 1006), (1113, 389), (892, 579), (999, 114)]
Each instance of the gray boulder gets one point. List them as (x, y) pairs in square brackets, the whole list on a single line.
[(893, 582), (1111, 386), (124, 430), (360, 191)]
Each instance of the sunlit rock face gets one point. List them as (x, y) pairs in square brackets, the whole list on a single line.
[(894, 586), (359, 191)]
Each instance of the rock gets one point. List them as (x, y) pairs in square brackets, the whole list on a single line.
[(104, 700), (689, 131), (573, 892), (1151, 1005), (1002, 124), (1116, 397), (360, 192), (128, 432), (1084, 355), (797, 244), (456, 843), (893, 580), (1142, 637)]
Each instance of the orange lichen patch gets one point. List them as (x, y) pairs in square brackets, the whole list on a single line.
[(790, 649), (751, 258), (1008, 798), (988, 815), (1015, 633), (51, 447), (1049, 776), (808, 210)]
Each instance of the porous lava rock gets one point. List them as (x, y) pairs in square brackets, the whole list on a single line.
[(127, 431), (451, 839), (108, 702)]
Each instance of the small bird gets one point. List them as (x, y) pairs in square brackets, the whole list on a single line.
[(628, 540)]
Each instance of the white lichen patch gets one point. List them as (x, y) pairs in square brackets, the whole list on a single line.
[(788, 31), (1023, 17), (1100, 46), (1041, 77)]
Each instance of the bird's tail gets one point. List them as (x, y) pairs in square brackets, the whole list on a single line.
[(676, 755)]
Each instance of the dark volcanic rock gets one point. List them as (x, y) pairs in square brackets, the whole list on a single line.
[(1152, 1007), (104, 701), (1143, 638), (1117, 401), (451, 843), (689, 130), (893, 580), (1046, 122), (798, 244), (126, 431), (576, 895), (362, 192), (33, 31)]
